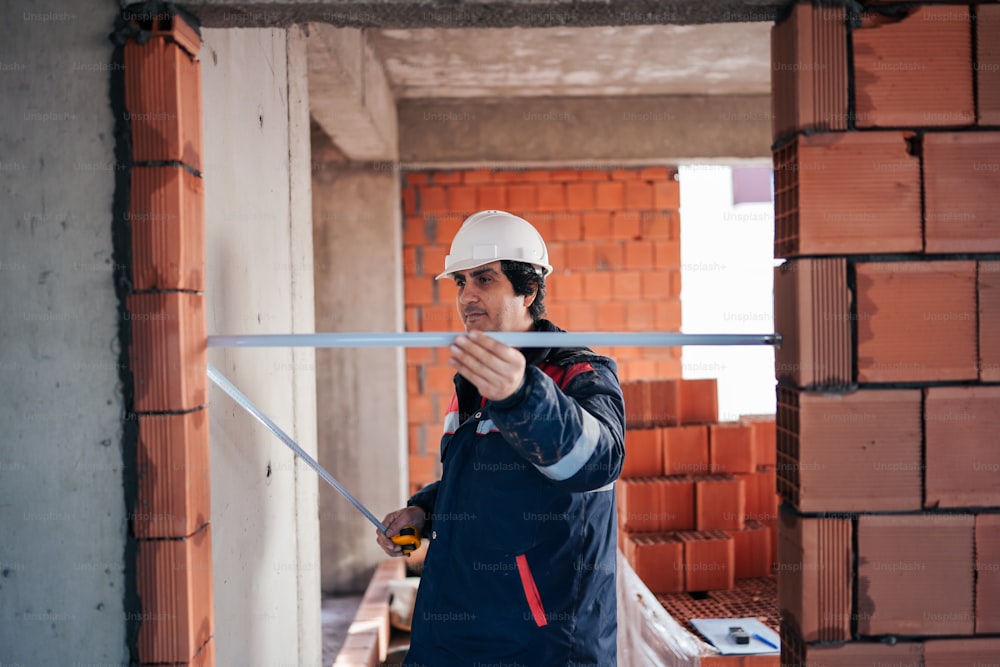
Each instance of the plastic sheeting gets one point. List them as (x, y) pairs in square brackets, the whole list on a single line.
[(647, 635)]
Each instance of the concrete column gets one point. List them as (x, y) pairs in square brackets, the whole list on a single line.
[(64, 591), (258, 262), (362, 414)]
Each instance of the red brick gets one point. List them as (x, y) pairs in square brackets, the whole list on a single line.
[(581, 256), (445, 227), (409, 196), (418, 291), (809, 70), (988, 289), (624, 174), (205, 656), (522, 197), (423, 469), (643, 453), (446, 177), (508, 176), (761, 498), (580, 196), (432, 199), (609, 196), (719, 502), (164, 102), (625, 285), (420, 355), (668, 315), (640, 505), (413, 385), (412, 315), (952, 652), (174, 579), (597, 226), (594, 175), (417, 178), (656, 174), (420, 410), (432, 258), (659, 562), (446, 290), (536, 176), (410, 262), (862, 654), (564, 175), (812, 313), (730, 448), (167, 215), (552, 197), (462, 198), (752, 550), (988, 63), (915, 575), (847, 193), (764, 437), (638, 195), (916, 321), (815, 576), (657, 226), (987, 573), (566, 287), (492, 197), (583, 317), (626, 225), (478, 176), (173, 459), (699, 401), (566, 227), (850, 452), (667, 195), (440, 380), (709, 560), (597, 286), (439, 318), (414, 231), (667, 254), (639, 317), (169, 351), (611, 315), (655, 286), (675, 284), (961, 179), (685, 450), (609, 256), (963, 460), (638, 255), (925, 52)]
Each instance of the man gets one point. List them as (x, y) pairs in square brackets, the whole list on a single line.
[(520, 569)]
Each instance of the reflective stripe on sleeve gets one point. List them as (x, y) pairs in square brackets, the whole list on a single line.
[(579, 454)]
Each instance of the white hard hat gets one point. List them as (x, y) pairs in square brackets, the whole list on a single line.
[(489, 236)]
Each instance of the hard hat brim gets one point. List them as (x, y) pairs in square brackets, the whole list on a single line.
[(473, 264)]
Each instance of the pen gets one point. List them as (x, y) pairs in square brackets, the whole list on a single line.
[(766, 641)]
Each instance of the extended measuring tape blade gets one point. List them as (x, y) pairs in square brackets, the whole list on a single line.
[(241, 398)]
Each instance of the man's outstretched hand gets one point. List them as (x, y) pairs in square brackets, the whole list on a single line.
[(497, 370)]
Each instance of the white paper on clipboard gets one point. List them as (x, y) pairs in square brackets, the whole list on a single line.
[(716, 631)]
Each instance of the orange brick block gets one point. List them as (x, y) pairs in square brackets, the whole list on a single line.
[(638, 195), (730, 448), (643, 453), (597, 226), (491, 197), (988, 288), (626, 225), (522, 197), (709, 560), (764, 438), (552, 197), (699, 401), (950, 652), (916, 321), (432, 199), (163, 100), (609, 196), (659, 561), (719, 502), (174, 475), (175, 588), (667, 195), (167, 215), (580, 196), (962, 458), (640, 506), (961, 177), (169, 350), (462, 198), (988, 63), (685, 450), (446, 177), (752, 550), (927, 53)]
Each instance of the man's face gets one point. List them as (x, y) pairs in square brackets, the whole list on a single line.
[(486, 301)]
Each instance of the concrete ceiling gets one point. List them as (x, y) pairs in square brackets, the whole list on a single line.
[(710, 59)]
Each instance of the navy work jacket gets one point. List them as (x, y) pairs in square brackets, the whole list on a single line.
[(520, 570)]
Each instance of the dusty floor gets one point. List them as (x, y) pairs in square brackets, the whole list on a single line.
[(337, 614)]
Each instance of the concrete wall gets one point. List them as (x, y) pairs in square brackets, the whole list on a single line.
[(259, 256), (61, 497), (362, 424)]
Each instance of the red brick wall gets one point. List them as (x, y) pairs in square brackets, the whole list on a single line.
[(614, 242)]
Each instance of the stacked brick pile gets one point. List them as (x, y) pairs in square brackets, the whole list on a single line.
[(886, 181), (697, 508)]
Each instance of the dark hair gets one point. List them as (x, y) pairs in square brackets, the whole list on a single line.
[(526, 280)]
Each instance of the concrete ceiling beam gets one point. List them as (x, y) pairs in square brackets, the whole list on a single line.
[(479, 13), (349, 94), (585, 131)]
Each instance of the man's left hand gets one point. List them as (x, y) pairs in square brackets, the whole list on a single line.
[(496, 370)]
